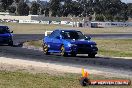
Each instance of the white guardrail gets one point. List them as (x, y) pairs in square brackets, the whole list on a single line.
[(47, 32)]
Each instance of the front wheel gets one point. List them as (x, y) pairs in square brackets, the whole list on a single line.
[(10, 43), (45, 49), (91, 55), (63, 53)]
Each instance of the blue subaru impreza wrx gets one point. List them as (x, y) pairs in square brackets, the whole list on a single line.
[(5, 36), (69, 42)]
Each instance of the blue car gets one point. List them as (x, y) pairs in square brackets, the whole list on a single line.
[(5, 36), (69, 42)]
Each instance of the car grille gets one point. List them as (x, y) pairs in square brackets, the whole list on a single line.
[(4, 39), (85, 48), (83, 45)]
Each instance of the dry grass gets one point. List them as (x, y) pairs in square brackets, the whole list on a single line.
[(30, 28), (41, 28), (35, 43), (115, 47)]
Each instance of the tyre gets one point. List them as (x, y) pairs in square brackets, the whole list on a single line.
[(63, 53), (91, 55), (45, 49), (10, 43), (73, 54)]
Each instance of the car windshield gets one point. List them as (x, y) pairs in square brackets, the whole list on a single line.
[(4, 30), (72, 35)]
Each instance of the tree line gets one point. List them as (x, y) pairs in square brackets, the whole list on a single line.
[(100, 10)]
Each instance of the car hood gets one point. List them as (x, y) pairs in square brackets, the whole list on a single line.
[(81, 41)]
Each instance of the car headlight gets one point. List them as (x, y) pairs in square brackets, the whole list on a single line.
[(93, 45), (72, 45)]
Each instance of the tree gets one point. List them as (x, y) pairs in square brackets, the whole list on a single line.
[(17, 1), (12, 9), (1, 8), (6, 4), (55, 7), (109, 17), (99, 17), (47, 12), (124, 12), (35, 8), (97, 7), (87, 7), (76, 9), (23, 9), (111, 9), (67, 8), (129, 9)]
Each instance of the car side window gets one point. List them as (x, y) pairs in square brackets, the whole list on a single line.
[(65, 35), (4, 30), (54, 34)]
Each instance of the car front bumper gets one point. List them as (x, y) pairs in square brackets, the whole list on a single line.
[(82, 50), (5, 40)]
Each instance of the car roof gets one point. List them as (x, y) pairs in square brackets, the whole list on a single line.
[(65, 30), (3, 26)]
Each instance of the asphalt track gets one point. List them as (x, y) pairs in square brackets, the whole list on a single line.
[(18, 52)]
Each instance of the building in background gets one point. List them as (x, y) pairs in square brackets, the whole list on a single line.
[(74, 21)]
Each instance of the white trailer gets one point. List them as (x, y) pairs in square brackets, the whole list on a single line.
[(29, 21)]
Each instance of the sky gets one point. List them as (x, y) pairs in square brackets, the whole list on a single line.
[(126, 1)]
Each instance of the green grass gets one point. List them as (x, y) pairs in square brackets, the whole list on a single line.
[(28, 80), (41, 28), (107, 47)]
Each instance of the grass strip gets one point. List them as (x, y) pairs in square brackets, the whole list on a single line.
[(28, 80)]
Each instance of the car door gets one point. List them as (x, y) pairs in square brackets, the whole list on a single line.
[(57, 41), (50, 40)]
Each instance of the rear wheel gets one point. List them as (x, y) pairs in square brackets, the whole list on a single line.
[(45, 49), (63, 53), (91, 55), (73, 54)]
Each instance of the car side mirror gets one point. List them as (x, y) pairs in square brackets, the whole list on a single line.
[(11, 32), (88, 38)]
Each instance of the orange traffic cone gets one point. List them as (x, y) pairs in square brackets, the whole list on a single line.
[(84, 81)]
